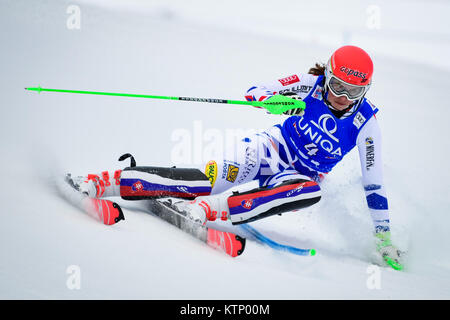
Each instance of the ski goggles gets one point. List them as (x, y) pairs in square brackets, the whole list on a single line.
[(341, 88)]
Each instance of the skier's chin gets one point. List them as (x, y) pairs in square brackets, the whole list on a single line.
[(340, 106), (338, 103)]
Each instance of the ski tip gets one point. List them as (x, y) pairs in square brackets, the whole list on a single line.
[(120, 215), (312, 252), (230, 243), (105, 211), (242, 241)]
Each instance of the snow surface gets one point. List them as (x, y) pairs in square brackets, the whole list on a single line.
[(213, 49)]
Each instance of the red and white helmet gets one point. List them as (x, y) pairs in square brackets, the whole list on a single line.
[(349, 72)]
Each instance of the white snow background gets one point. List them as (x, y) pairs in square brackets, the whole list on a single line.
[(214, 49)]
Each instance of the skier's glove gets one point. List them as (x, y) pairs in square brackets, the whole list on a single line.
[(390, 254), (293, 112)]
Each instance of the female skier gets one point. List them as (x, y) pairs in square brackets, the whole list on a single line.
[(288, 160)]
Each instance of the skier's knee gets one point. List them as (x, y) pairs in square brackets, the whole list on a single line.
[(223, 175)]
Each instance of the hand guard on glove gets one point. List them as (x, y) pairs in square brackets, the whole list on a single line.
[(390, 254), (293, 112)]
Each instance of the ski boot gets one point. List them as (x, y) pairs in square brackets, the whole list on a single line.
[(105, 184)]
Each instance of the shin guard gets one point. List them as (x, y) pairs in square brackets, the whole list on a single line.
[(137, 183), (264, 202)]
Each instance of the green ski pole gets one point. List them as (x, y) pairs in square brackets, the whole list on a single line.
[(275, 105)]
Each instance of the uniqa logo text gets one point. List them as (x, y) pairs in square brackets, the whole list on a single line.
[(317, 137)]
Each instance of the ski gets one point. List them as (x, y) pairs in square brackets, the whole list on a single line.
[(230, 243), (105, 211)]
